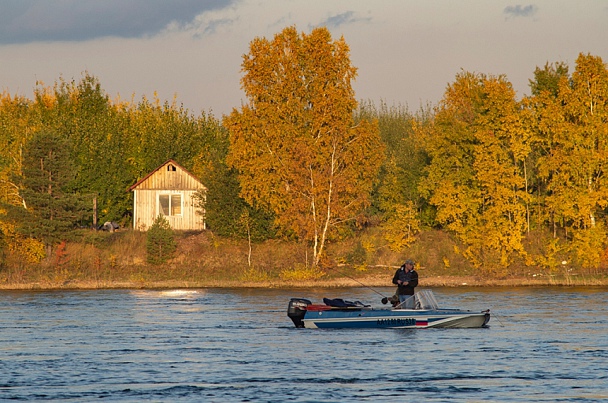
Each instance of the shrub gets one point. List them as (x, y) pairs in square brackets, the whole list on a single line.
[(160, 244), (301, 273), (255, 275)]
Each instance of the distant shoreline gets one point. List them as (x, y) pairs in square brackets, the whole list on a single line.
[(118, 261), (341, 282)]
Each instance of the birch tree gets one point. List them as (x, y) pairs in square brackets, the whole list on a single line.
[(294, 143), (574, 131), (476, 179)]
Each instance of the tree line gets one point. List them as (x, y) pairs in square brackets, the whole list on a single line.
[(71, 144), (500, 169), (303, 160)]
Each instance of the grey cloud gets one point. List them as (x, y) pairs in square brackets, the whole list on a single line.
[(520, 11), (213, 25), (23, 21), (341, 19)]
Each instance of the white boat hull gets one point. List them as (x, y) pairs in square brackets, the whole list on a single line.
[(304, 313), (394, 319)]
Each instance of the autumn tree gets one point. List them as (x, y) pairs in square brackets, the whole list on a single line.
[(295, 143), (572, 126), (476, 179), (537, 111), (450, 185), (501, 168)]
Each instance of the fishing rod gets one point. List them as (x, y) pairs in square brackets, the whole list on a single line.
[(358, 282)]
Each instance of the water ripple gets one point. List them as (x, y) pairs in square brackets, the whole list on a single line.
[(238, 345)]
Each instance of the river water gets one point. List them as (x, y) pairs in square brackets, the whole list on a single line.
[(236, 345)]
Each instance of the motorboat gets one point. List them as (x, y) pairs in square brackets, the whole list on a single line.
[(339, 313)]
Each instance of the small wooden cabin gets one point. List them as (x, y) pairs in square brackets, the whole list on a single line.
[(169, 191)]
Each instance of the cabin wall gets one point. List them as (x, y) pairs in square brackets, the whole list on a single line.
[(168, 191), (147, 208)]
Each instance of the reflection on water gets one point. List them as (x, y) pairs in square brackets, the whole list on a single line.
[(544, 344)]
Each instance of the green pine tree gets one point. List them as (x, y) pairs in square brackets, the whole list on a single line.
[(52, 209), (160, 243)]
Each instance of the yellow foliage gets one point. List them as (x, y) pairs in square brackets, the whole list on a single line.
[(295, 144), (368, 245), (46, 97), (588, 246), (529, 260), (477, 179), (30, 249), (401, 226), (553, 251), (252, 274), (473, 256)]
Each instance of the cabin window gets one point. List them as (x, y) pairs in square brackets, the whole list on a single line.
[(170, 204), (171, 168)]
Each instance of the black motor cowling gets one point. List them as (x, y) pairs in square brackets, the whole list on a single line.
[(297, 309)]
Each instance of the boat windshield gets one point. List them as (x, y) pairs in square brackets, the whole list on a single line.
[(426, 300)]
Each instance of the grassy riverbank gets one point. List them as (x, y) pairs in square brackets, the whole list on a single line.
[(118, 260), (362, 281)]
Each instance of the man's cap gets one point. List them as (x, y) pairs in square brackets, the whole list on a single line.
[(409, 261)]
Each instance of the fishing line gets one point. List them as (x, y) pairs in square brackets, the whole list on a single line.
[(498, 320)]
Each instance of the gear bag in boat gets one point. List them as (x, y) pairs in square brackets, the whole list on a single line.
[(340, 303)]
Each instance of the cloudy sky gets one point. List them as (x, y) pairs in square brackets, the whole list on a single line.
[(406, 51)]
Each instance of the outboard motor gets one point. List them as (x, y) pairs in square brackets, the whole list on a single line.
[(297, 309)]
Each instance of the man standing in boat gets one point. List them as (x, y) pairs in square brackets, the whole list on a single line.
[(406, 279)]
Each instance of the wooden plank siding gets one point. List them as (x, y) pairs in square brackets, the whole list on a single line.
[(169, 191)]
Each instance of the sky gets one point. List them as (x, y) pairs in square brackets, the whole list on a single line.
[(406, 51)]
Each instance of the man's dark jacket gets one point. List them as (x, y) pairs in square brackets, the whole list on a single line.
[(411, 278)]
